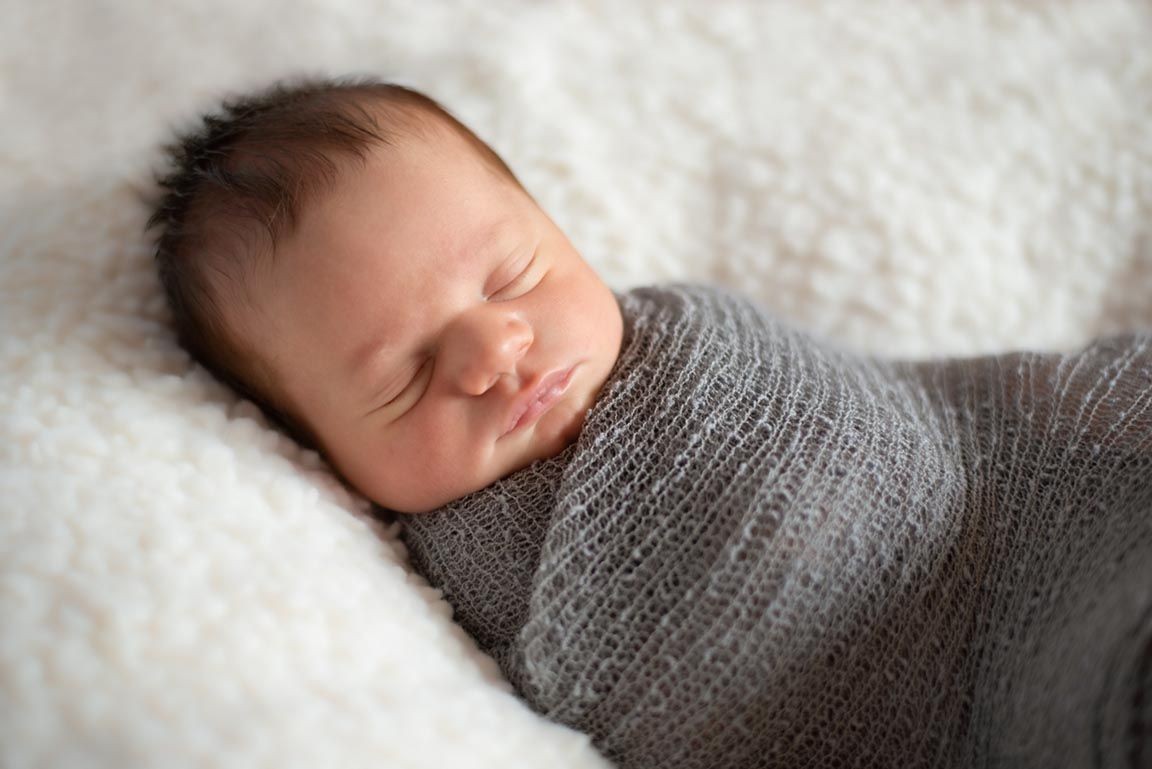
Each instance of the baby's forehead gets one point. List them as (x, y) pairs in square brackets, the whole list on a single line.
[(429, 195), (392, 162)]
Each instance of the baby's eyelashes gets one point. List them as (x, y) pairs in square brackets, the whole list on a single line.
[(411, 392), (519, 285)]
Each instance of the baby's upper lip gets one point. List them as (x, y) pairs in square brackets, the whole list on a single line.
[(536, 390)]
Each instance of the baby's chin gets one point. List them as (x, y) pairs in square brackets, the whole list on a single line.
[(555, 431)]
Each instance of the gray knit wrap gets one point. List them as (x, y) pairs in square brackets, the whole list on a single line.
[(764, 552)]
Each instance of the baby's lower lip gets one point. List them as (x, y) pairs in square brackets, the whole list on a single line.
[(550, 391)]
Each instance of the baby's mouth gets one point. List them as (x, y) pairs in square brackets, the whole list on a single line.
[(528, 408)]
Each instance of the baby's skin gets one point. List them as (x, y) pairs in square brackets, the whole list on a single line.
[(430, 324)]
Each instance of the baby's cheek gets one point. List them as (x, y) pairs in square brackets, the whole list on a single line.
[(401, 476), (439, 456)]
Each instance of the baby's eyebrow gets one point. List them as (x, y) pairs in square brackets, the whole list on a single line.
[(360, 366), (369, 350), (488, 239)]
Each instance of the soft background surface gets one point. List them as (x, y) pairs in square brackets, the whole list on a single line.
[(180, 586)]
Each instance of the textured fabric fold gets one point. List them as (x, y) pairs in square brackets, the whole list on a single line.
[(763, 551)]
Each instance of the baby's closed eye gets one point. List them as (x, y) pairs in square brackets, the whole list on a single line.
[(522, 282), (409, 393)]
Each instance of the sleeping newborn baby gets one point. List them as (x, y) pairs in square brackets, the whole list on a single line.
[(698, 535), (381, 280)]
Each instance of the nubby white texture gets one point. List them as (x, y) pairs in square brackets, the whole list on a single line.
[(765, 552), (182, 588)]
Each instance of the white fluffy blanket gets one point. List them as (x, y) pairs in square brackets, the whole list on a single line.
[(182, 587)]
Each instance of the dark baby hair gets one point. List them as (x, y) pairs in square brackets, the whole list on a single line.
[(237, 184)]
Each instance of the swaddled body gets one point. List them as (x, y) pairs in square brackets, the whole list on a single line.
[(764, 552)]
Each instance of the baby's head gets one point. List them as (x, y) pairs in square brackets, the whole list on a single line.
[(362, 266)]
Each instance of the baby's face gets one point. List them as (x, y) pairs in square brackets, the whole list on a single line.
[(431, 325)]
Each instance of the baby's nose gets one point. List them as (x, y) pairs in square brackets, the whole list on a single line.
[(488, 345)]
